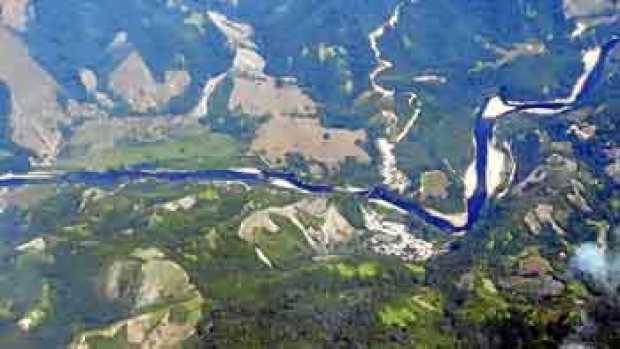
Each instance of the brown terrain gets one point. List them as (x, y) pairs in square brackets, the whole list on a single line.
[(585, 8), (102, 134), (36, 114), (283, 135), (433, 184), (14, 13), (134, 83), (330, 227), (293, 127), (258, 94)]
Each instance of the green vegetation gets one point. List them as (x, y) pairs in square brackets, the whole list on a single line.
[(421, 314), (349, 207), (193, 151), (369, 299), (6, 310), (41, 309), (485, 305), (287, 243), (433, 183), (209, 194), (363, 270), (186, 277)]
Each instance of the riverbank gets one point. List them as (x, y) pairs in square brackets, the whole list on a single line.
[(480, 180)]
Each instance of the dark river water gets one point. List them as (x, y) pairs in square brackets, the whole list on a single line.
[(483, 132)]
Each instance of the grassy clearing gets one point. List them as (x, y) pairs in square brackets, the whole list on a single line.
[(207, 150)]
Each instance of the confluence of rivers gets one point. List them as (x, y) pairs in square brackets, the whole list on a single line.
[(494, 107)]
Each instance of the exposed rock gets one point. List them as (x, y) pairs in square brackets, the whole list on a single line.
[(202, 107), (82, 111), (133, 82), (119, 41), (589, 8), (167, 305), (576, 198), (182, 204), (40, 310), (253, 223), (254, 92), (104, 100), (583, 131), (294, 127), (394, 178), (544, 213), (336, 227), (147, 254), (585, 24), (91, 195), (326, 52), (501, 168), (613, 171), (238, 34), (321, 224), (395, 239), (14, 14), (164, 328), (88, 78), (263, 258), (533, 278), (430, 79), (147, 278), (532, 223), (538, 175), (573, 344), (249, 62), (36, 116), (36, 245)]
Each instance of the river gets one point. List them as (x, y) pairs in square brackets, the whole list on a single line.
[(493, 108)]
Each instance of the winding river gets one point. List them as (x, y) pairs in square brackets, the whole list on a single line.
[(493, 108)]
